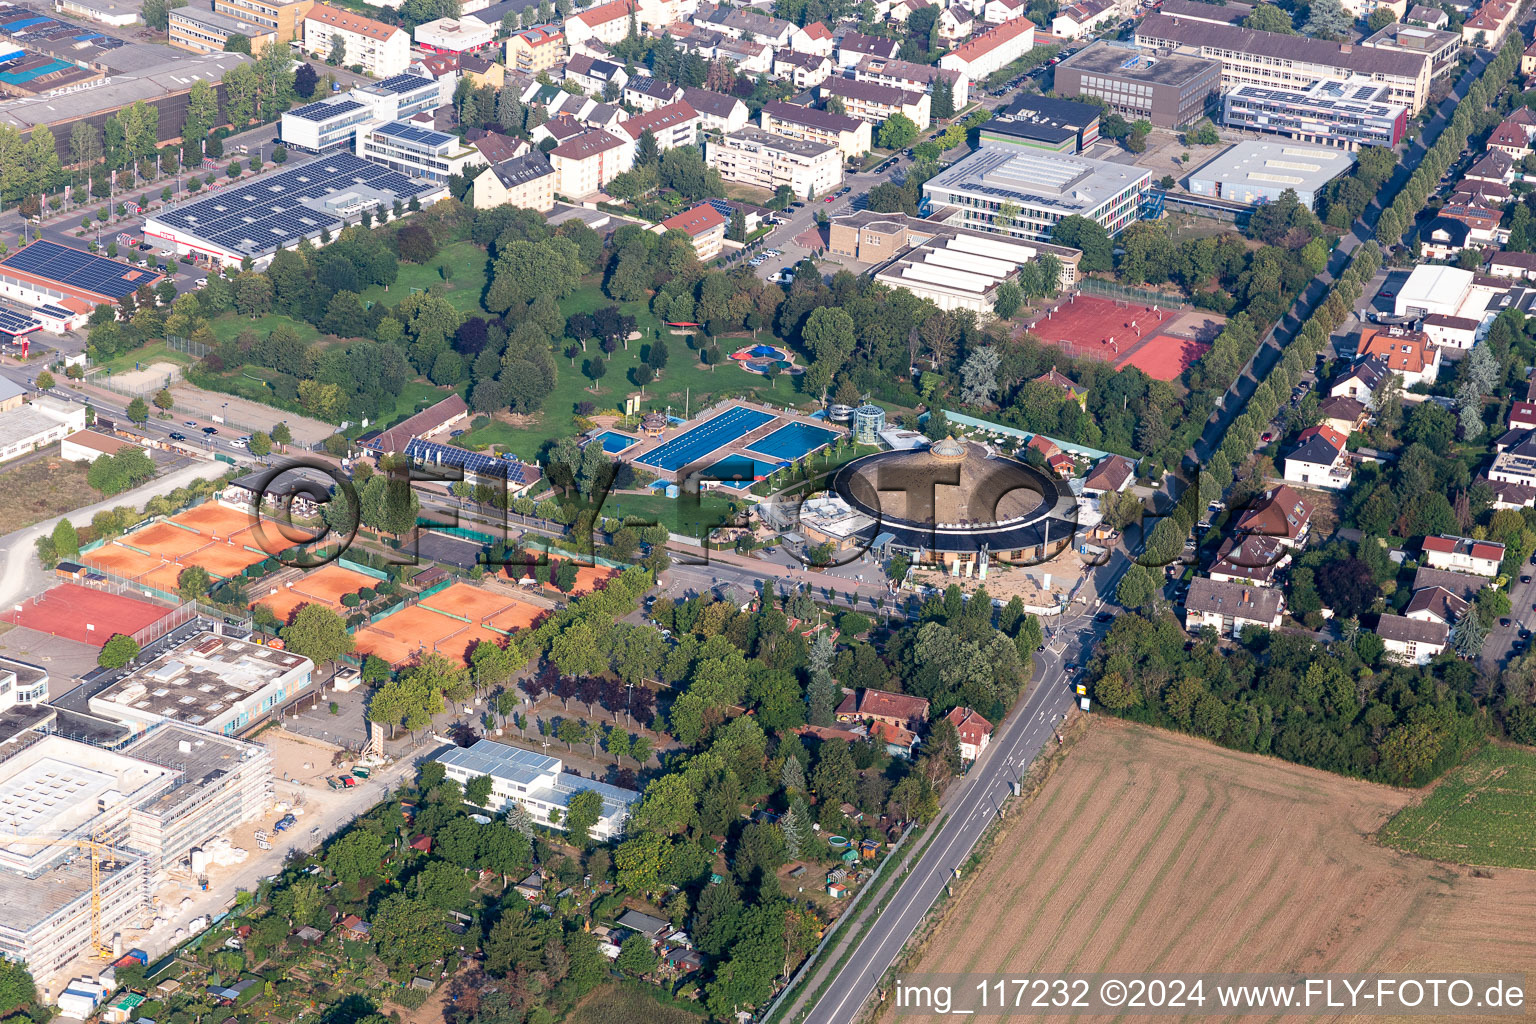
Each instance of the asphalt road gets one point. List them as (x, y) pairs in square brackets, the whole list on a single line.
[(974, 802)]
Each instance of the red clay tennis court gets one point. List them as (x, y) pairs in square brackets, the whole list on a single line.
[(461, 645), (587, 576), (330, 583), (121, 561), (225, 560), (166, 540), (272, 536), (397, 638), (519, 615), (167, 577), (1164, 356), (85, 615), (283, 603), (1089, 327), (470, 603), (215, 520)]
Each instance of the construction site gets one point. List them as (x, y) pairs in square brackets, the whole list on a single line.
[(88, 834)]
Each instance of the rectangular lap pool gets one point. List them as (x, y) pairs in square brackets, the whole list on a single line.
[(692, 445), (794, 441), (614, 442)]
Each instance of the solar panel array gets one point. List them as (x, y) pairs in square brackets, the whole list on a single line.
[(14, 323), (325, 110), (432, 454), (78, 269), (274, 210), (405, 131), (403, 83), (55, 311)]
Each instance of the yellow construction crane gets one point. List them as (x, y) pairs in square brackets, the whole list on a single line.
[(99, 850)]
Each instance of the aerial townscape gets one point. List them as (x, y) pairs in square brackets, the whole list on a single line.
[(669, 511)]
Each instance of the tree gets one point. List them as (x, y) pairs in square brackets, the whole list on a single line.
[(138, 411), (582, 812), (1380, 18), (304, 81), (478, 790), (157, 13), (1467, 636), (637, 957), (118, 651), (66, 541), (409, 933), (897, 132), (1079, 232), (1327, 19), (1269, 18), (237, 43), (978, 376), (355, 856), (318, 634), (17, 989), (261, 444), (1008, 300), (193, 583), (1138, 587), (281, 434), (338, 52)]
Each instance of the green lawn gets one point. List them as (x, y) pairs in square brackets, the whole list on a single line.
[(230, 325), (683, 384), (145, 355), (1483, 812), (681, 517), (462, 288)]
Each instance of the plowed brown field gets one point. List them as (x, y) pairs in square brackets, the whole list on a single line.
[(1154, 852)]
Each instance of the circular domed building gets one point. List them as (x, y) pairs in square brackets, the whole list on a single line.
[(653, 424), (954, 501)]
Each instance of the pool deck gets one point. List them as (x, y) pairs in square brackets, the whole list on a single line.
[(741, 446)]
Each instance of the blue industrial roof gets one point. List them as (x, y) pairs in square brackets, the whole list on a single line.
[(78, 269)]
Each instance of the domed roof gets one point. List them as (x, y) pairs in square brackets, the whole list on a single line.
[(653, 418), (948, 449)]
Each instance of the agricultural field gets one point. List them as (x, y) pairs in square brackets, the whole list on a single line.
[(1483, 812), (1151, 851)]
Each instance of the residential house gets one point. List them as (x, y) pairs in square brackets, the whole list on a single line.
[(652, 928), (496, 147), (746, 24), (1528, 60), (975, 732), (1363, 379), (898, 739), (1512, 474), (718, 112), (1522, 416), (855, 46), (527, 182), (1444, 238), (900, 709), (1059, 461), (1319, 460), (484, 72), (956, 23), (1481, 220), (382, 50), (814, 38), (1518, 266), (595, 76), (1231, 608), (802, 70), (1458, 332), (647, 92), (1413, 641), (1495, 167), (1463, 554), (849, 135), (1083, 18), (1488, 25), (995, 12), (1458, 583), (1113, 473), (704, 224), (1406, 353), (1346, 415), (1280, 513), (1512, 136), (1436, 604), (905, 74), (605, 23), (1074, 391), (588, 161), (876, 103), (1253, 559)]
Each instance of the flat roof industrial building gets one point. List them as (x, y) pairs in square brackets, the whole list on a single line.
[(276, 211), (1254, 173), (44, 272), (1045, 187), (1349, 114), (1170, 90)]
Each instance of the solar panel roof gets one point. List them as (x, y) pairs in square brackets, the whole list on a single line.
[(78, 269), (405, 131), (324, 111), (471, 462), (13, 323), (52, 310), (403, 83), (277, 210)]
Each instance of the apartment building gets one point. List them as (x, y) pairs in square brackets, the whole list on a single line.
[(849, 135), (586, 162), (1231, 608), (1169, 90), (202, 31), (285, 20), (672, 126), (527, 181), (717, 112), (647, 92), (876, 103), (802, 70), (1443, 47), (414, 149), (382, 50), (454, 36), (1251, 57), (757, 157), (904, 74), (992, 50), (855, 46), (605, 23), (1348, 114)]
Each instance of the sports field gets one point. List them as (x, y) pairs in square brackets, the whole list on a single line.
[(1148, 851), (1483, 812), (466, 602), (1164, 356), (84, 614), (218, 521), (1087, 326), (326, 586), (450, 622), (166, 540)]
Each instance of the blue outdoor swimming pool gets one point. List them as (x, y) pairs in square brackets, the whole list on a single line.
[(692, 445), (615, 442), (741, 469), (793, 441)]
